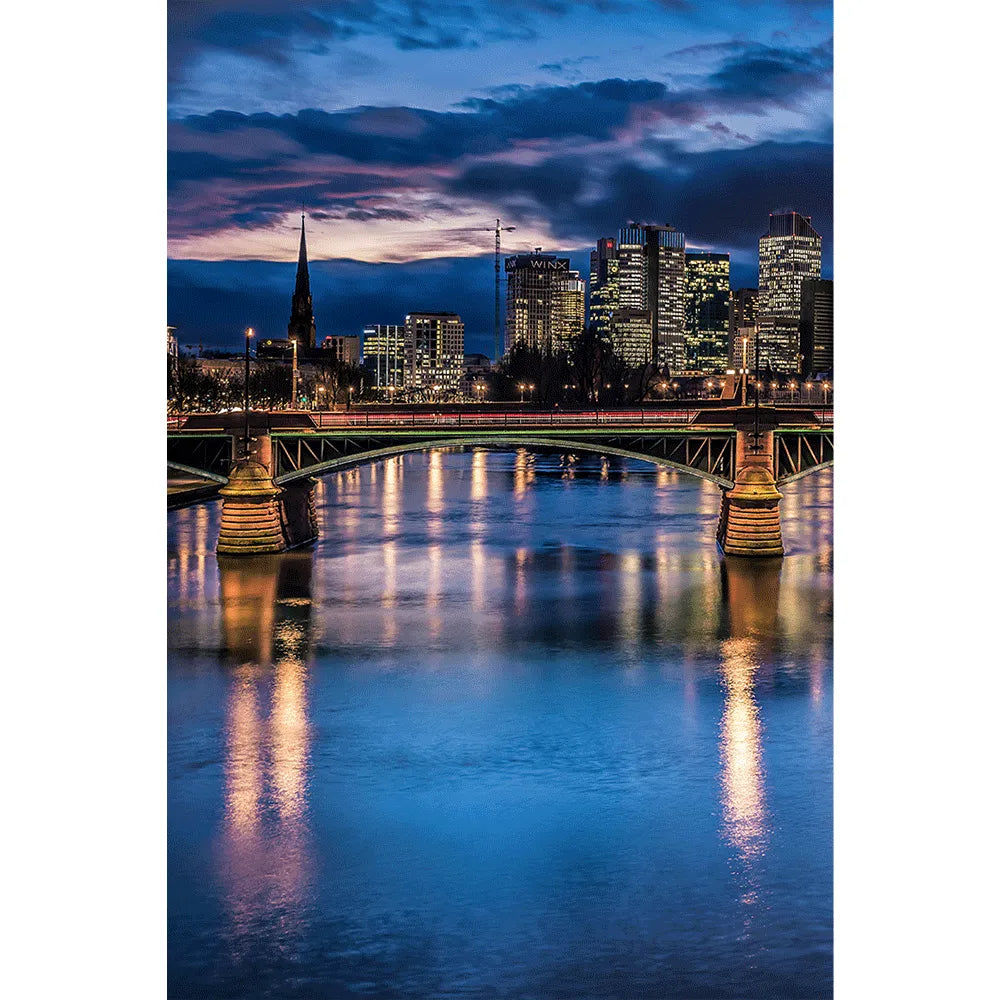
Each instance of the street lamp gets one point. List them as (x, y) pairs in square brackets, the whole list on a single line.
[(826, 389), (521, 387), (319, 389), (350, 396), (246, 395), (295, 371)]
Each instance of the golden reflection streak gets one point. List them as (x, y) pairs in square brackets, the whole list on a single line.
[(266, 870), (753, 591), (742, 763), (435, 493), (244, 777), (289, 738), (391, 494)]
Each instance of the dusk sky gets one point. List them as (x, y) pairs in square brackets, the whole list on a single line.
[(401, 127)]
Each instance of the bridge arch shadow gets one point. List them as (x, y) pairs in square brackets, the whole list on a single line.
[(538, 445)]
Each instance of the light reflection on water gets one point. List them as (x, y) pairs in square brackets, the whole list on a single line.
[(544, 651)]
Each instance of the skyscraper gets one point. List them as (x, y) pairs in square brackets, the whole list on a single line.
[(816, 326), (545, 302), (790, 251), (707, 334), (435, 350), (742, 326), (651, 276), (603, 284), (302, 323)]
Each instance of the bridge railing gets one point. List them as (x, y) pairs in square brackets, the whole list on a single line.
[(488, 419)]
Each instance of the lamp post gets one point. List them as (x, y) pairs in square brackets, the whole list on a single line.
[(246, 394), (295, 371), (826, 389), (521, 387), (319, 389), (350, 396), (744, 371)]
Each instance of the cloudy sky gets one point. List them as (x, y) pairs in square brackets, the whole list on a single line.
[(401, 128)]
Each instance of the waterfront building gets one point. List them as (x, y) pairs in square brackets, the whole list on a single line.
[(385, 354), (545, 302), (707, 290), (302, 323), (816, 326), (651, 276), (789, 253), (434, 351)]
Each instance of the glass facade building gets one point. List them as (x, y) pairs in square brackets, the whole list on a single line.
[(435, 351), (816, 326), (707, 334), (385, 354), (545, 302), (790, 252)]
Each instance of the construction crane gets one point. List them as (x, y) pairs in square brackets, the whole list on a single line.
[(496, 230)]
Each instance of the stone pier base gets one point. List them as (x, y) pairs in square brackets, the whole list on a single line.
[(749, 522), (251, 517)]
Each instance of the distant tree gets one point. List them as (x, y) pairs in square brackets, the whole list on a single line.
[(548, 373)]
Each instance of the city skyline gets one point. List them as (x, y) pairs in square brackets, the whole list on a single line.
[(707, 121)]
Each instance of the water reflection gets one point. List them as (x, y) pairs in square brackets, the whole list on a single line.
[(751, 590), (264, 859)]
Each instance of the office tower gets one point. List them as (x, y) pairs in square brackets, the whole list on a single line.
[(545, 302), (603, 284), (816, 326), (569, 298), (302, 323), (632, 336), (651, 277), (742, 316), (435, 350), (707, 334), (384, 349), (790, 252)]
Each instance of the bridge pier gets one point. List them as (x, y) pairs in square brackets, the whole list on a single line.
[(749, 519), (260, 518)]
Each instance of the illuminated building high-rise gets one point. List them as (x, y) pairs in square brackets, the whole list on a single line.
[(545, 302), (816, 326), (790, 252), (435, 350), (742, 317), (603, 284), (707, 336), (385, 354), (651, 276)]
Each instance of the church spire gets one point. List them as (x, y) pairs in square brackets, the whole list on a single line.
[(302, 323)]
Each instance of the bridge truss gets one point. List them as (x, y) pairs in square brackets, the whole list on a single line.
[(709, 453)]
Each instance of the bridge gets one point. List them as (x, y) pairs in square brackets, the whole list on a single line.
[(268, 497)]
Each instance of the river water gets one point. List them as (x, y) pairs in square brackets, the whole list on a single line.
[(512, 728)]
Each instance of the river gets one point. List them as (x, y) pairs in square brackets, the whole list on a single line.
[(512, 728)]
